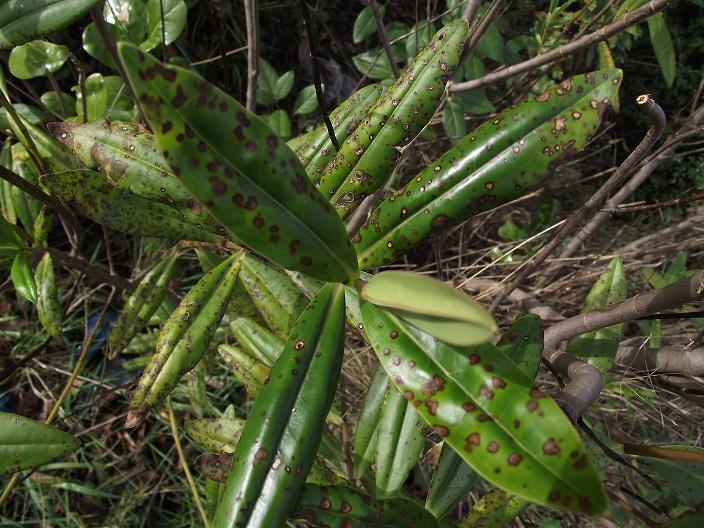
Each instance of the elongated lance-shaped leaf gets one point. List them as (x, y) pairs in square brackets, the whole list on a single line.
[(26, 208), (600, 346), (185, 337), (55, 155), (257, 341), (8, 211), (494, 510), (248, 370), (26, 444), (88, 193), (365, 434), (491, 414), (344, 507), (297, 142), (400, 441), (23, 278), (48, 307), (503, 159), (317, 149), (22, 20), (367, 157), (432, 306), (285, 425), (452, 480), (522, 342), (219, 435), (141, 304), (274, 294), (237, 167)]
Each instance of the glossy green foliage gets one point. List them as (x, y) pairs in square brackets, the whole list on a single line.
[(502, 159), (48, 307), (6, 208), (400, 440), (452, 481), (367, 157), (491, 414), (235, 165), (600, 346), (106, 96), (494, 510), (273, 293), (185, 337), (285, 425), (23, 278), (317, 149), (432, 306), (344, 507), (23, 20), (25, 207), (36, 59), (141, 304), (27, 444), (89, 194), (128, 156), (257, 341), (366, 435), (522, 342), (218, 435)]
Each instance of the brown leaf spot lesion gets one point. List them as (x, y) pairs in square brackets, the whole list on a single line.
[(179, 98), (514, 459), (441, 430), (217, 186), (433, 385), (551, 448)]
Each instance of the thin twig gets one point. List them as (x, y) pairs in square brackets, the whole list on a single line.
[(251, 16), (480, 28), (314, 55), (561, 52), (470, 10), (184, 462), (362, 213), (384, 36), (658, 121), (623, 209), (92, 272), (31, 146)]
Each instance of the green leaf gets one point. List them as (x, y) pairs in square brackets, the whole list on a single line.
[(496, 508), (452, 481), (23, 278), (453, 120), (234, 164), (662, 46), (266, 83), (94, 45), (218, 435), (283, 85), (89, 194), (10, 242), (174, 15), (345, 507), (96, 97), (306, 101), (366, 159), (280, 123), (504, 158), (27, 444), (29, 113), (600, 346), (52, 102), (374, 64), (22, 21), (185, 337), (277, 448), (26, 207), (36, 59), (522, 342), (48, 307), (491, 44), (491, 414), (420, 36), (432, 306), (257, 341), (129, 17), (364, 24), (246, 369), (366, 434)]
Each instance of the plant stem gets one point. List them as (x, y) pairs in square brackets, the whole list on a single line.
[(384, 36), (251, 15)]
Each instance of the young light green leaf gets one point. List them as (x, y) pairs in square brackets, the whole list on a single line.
[(374, 64), (174, 15), (48, 307), (280, 123), (662, 46), (283, 85), (27, 444), (234, 164), (364, 24), (266, 83), (306, 102), (491, 414), (277, 448), (453, 120), (218, 435), (432, 306), (36, 59), (21, 21), (346, 507), (23, 278)]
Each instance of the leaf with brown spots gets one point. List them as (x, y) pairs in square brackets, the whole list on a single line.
[(346, 507), (219, 435), (509, 457), (285, 425), (506, 157), (236, 166), (522, 342), (88, 193), (452, 481), (494, 508), (367, 158)]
